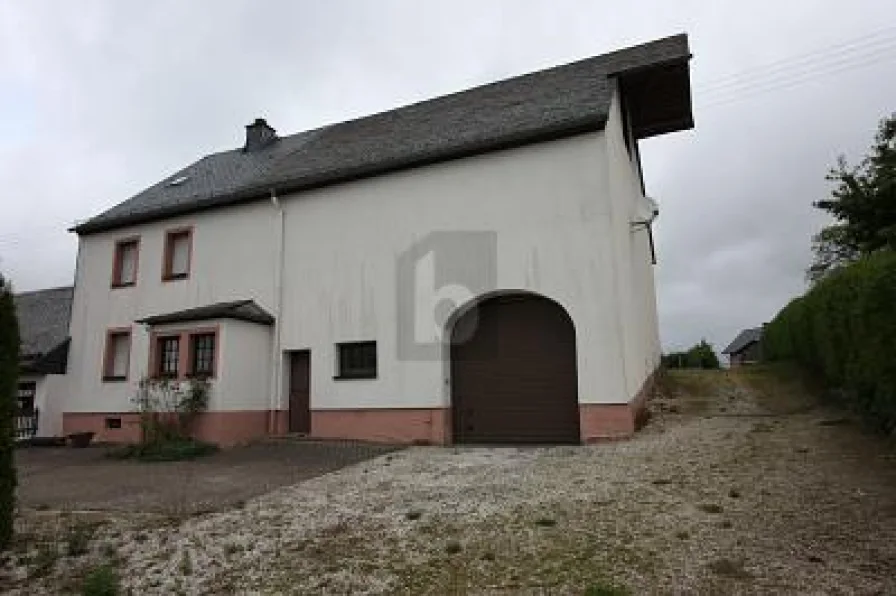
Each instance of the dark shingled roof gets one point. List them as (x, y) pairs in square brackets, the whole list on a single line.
[(549, 104), (744, 339), (243, 310), (43, 318)]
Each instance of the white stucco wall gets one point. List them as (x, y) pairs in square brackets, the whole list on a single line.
[(548, 205), (244, 377), (558, 233), (638, 323), (232, 259)]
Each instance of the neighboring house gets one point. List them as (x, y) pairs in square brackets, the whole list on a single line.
[(470, 269), (746, 347), (43, 330)]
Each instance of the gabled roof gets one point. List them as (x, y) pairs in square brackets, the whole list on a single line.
[(548, 104), (743, 340), (242, 310)]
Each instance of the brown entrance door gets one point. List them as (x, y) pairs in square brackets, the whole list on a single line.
[(300, 391), (513, 377)]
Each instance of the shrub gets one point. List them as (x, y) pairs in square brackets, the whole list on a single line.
[(700, 355), (9, 370), (844, 329)]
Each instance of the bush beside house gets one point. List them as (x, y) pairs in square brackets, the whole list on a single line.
[(9, 370), (844, 329)]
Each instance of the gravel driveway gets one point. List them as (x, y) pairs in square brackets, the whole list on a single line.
[(738, 485), (62, 478)]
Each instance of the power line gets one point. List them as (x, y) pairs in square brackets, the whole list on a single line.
[(868, 42), (798, 70), (774, 85)]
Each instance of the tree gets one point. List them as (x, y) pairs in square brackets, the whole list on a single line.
[(700, 355), (9, 370), (864, 204)]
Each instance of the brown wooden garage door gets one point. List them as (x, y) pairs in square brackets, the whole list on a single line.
[(513, 373)]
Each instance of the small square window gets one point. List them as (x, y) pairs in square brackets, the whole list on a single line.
[(118, 347), (113, 423), (167, 356), (356, 360), (178, 253), (124, 271)]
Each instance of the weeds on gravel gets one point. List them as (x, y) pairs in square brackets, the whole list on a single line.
[(453, 547), (710, 508), (545, 522), (186, 564), (44, 560), (606, 589), (102, 580), (729, 568), (78, 538)]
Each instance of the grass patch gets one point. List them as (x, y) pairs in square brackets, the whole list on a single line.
[(729, 568), (179, 450), (780, 388), (606, 589), (710, 508), (102, 580)]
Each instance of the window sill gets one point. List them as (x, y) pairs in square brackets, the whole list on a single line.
[(355, 377), (176, 277), (117, 286), (203, 377), (111, 379)]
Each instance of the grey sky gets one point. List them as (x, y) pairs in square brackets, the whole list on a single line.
[(101, 99)]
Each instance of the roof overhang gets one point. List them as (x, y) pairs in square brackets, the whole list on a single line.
[(239, 310), (658, 98)]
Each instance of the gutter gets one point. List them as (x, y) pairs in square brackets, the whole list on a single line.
[(276, 393)]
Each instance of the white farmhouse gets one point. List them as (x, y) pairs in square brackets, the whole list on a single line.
[(474, 268)]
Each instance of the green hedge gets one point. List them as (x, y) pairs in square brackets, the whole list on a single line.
[(9, 369), (844, 329)]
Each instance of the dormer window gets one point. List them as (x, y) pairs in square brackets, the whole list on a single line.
[(124, 266), (178, 254)]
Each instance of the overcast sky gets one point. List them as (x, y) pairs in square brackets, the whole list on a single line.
[(100, 99)]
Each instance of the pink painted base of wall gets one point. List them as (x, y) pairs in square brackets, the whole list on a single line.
[(226, 428), (429, 426), (609, 422)]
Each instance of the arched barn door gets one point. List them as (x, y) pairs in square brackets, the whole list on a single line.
[(513, 373)]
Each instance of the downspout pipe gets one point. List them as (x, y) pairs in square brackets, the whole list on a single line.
[(276, 394)]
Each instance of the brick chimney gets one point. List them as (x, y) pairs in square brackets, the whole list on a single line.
[(259, 135)]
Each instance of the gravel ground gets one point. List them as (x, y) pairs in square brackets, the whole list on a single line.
[(738, 485)]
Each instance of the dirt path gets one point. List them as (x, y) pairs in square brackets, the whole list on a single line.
[(738, 485)]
